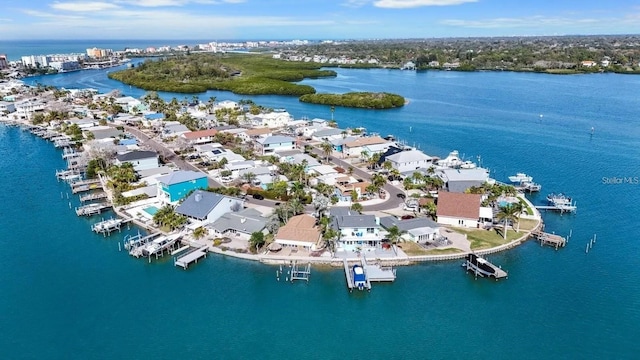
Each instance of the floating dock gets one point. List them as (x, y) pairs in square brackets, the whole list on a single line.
[(92, 209), (553, 240), (481, 267), (190, 257)]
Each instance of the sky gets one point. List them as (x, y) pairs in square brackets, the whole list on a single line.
[(312, 19)]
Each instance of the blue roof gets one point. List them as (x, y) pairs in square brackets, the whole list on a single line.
[(154, 116)]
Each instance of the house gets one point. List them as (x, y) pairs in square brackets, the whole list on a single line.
[(370, 144), (105, 132), (239, 224), (420, 230), (252, 134), (262, 175), (270, 144), (588, 63), (459, 180), (7, 107), (200, 137), (346, 185), (299, 159), (409, 160), (175, 186), (129, 104), (300, 232), (357, 232), (208, 207), (174, 128), (275, 119), (329, 134), (141, 160), (459, 209)]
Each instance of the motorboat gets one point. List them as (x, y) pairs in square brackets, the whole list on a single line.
[(359, 278), (520, 178), (559, 199)]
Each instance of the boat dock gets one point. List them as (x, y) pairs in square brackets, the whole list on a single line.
[(377, 273), (553, 240), (93, 196), (85, 185), (132, 242), (351, 283), (92, 209), (300, 273), (481, 267), (193, 255), (105, 227), (560, 207)]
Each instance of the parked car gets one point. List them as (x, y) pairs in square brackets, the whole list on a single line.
[(401, 196), (258, 197)]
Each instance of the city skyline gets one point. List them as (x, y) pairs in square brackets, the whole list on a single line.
[(330, 19)]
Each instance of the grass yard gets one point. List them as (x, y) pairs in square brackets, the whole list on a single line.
[(485, 239)]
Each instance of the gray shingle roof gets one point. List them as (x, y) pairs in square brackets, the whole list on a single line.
[(253, 221), (199, 204), (136, 155), (406, 225), (342, 217), (180, 176), (276, 139)]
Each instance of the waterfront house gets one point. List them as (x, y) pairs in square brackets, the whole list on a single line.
[(460, 209), (175, 186), (299, 159), (370, 144), (300, 232), (252, 134), (200, 137), (207, 207), (7, 107), (328, 134), (129, 104), (270, 144), (357, 232), (459, 180), (274, 119), (346, 185), (141, 160), (408, 160), (239, 224), (588, 63), (420, 230)]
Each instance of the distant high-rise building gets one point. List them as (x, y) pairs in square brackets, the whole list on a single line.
[(3, 62)]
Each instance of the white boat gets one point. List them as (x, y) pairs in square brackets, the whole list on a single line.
[(520, 178), (159, 244), (531, 187), (559, 199)]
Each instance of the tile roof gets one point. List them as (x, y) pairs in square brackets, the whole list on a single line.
[(200, 134), (300, 228), (459, 205)]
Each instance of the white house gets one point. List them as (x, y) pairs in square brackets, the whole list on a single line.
[(263, 175), (357, 232), (270, 144), (460, 209), (420, 230), (275, 119), (129, 104), (239, 224), (372, 145), (7, 107), (328, 134), (141, 160), (208, 207), (300, 232), (409, 160), (200, 137)]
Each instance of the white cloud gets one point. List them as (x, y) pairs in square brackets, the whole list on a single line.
[(404, 4), (355, 3), (169, 3), (83, 6), (43, 14)]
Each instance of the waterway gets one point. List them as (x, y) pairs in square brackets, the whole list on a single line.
[(68, 293)]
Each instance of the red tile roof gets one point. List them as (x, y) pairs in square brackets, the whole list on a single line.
[(459, 205)]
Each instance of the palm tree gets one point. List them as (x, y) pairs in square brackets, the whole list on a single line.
[(200, 232), (296, 207), (249, 177), (378, 180), (327, 148), (297, 190), (356, 207), (507, 213), (387, 165), (394, 234)]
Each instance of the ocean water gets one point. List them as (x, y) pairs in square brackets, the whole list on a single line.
[(73, 295)]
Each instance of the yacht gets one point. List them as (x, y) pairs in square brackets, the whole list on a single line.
[(559, 199), (520, 178), (531, 187)]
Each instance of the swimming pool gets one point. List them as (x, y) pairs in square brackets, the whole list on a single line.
[(151, 210)]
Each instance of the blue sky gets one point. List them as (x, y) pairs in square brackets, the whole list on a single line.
[(311, 19)]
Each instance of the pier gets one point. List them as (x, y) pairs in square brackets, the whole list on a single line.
[(553, 240), (93, 196), (132, 242), (190, 257), (559, 207), (92, 209), (85, 185), (377, 273)]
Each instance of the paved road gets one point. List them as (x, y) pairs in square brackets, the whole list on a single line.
[(392, 202), (167, 154)]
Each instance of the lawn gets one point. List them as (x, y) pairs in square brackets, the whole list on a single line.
[(528, 225), (485, 239), (443, 251)]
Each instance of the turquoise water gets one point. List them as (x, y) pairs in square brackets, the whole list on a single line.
[(68, 293), (151, 210)]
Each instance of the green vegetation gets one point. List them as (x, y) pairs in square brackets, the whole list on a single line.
[(485, 239), (241, 74), (368, 100), (167, 218), (443, 251)]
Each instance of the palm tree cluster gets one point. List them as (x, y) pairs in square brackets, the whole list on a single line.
[(423, 182), (510, 213), (166, 216)]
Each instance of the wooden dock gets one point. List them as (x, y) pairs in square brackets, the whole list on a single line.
[(553, 240), (92, 209), (377, 273), (191, 257)]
